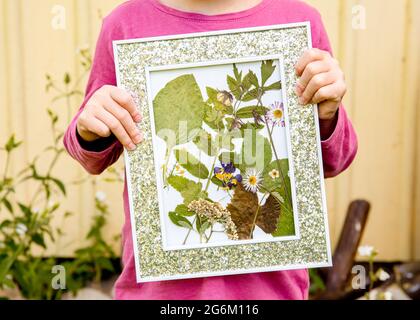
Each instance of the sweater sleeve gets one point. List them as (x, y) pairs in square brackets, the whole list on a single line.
[(97, 159), (338, 150)]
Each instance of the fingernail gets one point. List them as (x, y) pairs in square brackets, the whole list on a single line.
[(138, 118), (131, 147), (298, 90), (138, 138)]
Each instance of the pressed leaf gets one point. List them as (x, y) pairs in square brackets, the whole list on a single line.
[(191, 164), (180, 221), (8, 205), (188, 189), (286, 223), (238, 75), (279, 184), (248, 112), (205, 143), (234, 87), (212, 93), (250, 80), (180, 101), (267, 70), (182, 210), (273, 87), (251, 95), (256, 150), (243, 209), (269, 214)]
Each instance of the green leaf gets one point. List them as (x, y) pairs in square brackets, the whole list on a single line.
[(39, 240), (67, 78), (238, 75), (204, 227), (205, 143), (217, 182), (12, 144), (234, 87), (8, 205), (212, 93), (179, 102), (182, 210), (251, 95), (250, 80), (25, 210), (277, 184), (248, 112), (191, 164), (180, 221), (273, 87), (60, 185), (267, 70), (188, 189), (256, 150)]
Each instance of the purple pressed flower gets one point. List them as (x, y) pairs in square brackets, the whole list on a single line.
[(239, 178), (229, 167)]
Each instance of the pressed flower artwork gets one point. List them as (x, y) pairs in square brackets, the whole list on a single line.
[(221, 154), (229, 178)]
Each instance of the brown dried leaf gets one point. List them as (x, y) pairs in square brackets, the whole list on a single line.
[(243, 209), (269, 215)]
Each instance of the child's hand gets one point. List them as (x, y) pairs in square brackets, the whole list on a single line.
[(110, 111), (322, 82)]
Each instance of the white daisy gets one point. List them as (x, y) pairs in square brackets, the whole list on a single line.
[(366, 251), (252, 180), (382, 275), (21, 229), (276, 114), (274, 174)]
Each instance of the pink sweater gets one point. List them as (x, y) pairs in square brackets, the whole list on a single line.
[(149, 18)]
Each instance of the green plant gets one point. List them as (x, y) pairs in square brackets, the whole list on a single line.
[(26, 223)]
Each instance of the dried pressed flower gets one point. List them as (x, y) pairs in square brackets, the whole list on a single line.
[(225, 98), (276, 114), (252, 180), (215, 213), (274, 174), (226, 174)]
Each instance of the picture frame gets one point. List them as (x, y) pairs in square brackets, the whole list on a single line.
[(229, 179)]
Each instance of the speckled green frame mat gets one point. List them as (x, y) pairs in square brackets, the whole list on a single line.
[(152, 262)]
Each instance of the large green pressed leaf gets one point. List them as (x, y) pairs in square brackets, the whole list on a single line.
[(191, 164), (267, 70), (256, 150), (179, 104)]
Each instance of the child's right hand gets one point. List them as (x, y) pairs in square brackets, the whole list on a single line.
[(110, 111)]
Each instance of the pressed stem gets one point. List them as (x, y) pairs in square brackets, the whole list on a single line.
[(189, 232), (256, 216), (211, 172)]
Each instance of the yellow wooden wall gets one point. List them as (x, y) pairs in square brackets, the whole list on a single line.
[(382, 64)]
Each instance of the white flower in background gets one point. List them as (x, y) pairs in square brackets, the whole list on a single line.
[(100, 196), (252, 180), (373, 295), (366, 251), (274, 174), (36, 210), (21, 229), (387, 295), (382, 275)]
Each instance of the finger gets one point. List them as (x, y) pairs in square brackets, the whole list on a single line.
[(125, 119), (116, 128), (333, 92), (310, 71), (99, 128), (308, 57), (125, 100), (317, 82)]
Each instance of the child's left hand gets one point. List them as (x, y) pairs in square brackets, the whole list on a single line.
[(322, 82)]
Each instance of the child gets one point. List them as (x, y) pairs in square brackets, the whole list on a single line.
[(107, 121)]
